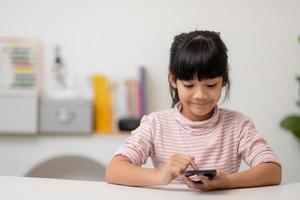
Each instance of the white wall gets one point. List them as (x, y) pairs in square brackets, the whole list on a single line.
[(115, 37)]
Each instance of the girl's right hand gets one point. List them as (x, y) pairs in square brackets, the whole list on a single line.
[(175, 166)]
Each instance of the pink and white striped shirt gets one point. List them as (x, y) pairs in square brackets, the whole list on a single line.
[(217, 143)]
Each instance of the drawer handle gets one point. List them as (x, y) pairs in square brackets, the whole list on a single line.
[(64, 116)]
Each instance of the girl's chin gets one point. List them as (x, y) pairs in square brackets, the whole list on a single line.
[(202, 114), (201, 110)]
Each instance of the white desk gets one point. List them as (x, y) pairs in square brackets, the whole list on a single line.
[(16, 188)]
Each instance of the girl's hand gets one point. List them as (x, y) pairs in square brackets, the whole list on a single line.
[(175, 166), (220, 181)]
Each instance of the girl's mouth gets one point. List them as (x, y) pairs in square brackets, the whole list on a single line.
[(200, 104)]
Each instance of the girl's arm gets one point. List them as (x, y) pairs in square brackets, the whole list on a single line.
[(262, 175), (121, 171)]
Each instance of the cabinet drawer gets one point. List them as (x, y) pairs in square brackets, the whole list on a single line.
[(18, 112), (66, 116)]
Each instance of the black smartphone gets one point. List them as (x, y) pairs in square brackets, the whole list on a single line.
[(210, 173)]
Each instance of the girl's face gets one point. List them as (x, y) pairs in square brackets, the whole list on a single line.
[(198, 98)]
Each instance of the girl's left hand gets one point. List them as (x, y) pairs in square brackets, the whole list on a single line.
[(220, 181)]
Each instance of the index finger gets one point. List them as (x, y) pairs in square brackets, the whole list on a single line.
[(193, 164)]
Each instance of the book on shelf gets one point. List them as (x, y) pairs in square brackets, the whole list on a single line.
[(142, 96), (102, 104)]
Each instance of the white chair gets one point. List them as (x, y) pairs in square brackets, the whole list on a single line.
[(69, 167)]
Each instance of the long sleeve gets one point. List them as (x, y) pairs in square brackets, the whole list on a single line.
[(139, 145), (253, 147)]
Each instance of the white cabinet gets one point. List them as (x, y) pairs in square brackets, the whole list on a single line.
[(70, 157), (18, 111)]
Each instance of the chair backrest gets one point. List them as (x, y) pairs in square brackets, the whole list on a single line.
[(69, 167)]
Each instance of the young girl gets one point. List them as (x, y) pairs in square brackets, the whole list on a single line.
[(196, 133)]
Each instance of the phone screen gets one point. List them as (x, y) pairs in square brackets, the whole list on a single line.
[(210, 173)]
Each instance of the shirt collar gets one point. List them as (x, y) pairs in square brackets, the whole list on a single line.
[(196, 127)]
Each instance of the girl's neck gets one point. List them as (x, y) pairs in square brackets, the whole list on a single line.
[(195, 118)]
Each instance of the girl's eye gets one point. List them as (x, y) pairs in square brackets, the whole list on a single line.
[(188, 86), (211, 85)]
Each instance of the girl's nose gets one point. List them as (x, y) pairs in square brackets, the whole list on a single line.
[(200, 94)]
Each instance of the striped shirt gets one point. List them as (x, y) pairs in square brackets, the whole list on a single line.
[(220, 142)]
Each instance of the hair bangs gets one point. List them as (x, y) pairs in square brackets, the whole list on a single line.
[(199, 58)]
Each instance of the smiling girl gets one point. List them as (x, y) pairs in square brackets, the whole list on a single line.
[(195, 133)]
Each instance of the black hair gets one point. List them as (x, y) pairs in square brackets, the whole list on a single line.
[(198, 53)]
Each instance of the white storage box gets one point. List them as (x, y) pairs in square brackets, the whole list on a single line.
[(18, 112), (66, 115)]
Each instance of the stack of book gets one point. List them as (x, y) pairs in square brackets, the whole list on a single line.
[(124, 100), (130, 96)]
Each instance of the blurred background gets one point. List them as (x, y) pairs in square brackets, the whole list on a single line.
[(73, 46)]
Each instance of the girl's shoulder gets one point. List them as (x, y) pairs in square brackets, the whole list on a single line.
[(232, 115), (160, 115)]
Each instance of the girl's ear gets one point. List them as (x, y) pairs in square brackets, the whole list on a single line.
[(224, 82), (172, 81)]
